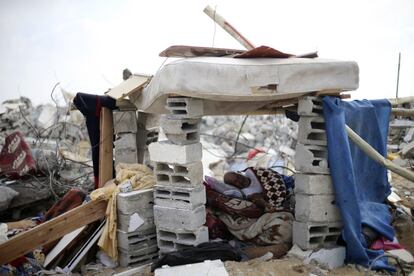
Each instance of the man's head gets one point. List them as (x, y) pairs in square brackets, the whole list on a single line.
[(236, 179)]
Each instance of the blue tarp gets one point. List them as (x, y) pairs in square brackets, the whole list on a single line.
[(360, 184)]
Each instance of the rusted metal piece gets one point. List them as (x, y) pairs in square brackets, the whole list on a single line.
[(196, 51)]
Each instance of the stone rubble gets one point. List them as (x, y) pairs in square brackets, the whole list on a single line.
[(53, 132)]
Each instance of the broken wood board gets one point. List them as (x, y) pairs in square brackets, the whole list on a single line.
[(106, 146), (133, 84), (51, 230), (196, 51)]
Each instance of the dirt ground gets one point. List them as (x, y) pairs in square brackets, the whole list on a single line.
[(287, 266)]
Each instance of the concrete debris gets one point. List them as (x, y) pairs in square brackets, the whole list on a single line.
[(402, 254), (227, 140), (206, 268), (328, 258), (50, 131)]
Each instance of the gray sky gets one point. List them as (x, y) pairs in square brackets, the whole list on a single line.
[(85, 45)]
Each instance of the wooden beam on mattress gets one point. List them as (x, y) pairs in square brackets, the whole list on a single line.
[(377, 157), (106, 146), (228, 28), (51, 230)]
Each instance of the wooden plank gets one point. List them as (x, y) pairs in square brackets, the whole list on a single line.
[(106, 146), (228, 28), (51, 230), (133, 84)]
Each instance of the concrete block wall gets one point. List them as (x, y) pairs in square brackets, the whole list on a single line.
[(136, 232), (317, 218), (179, 195)]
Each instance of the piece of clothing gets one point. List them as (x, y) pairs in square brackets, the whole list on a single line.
[(274, 188), (360, 184), (16, 159), (270, 228), (384, 244), (72, 199), (204, 251), (233, 206), (255, 186), (222, 187), (141, 177), (216, 228), (90, 106)]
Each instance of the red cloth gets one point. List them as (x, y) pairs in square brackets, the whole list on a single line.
[(16, 159), (216, 228), (253, 152), (70, 200), (385, 245)]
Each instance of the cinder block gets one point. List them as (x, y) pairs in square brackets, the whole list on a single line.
[(135, 201), (318, 208), (180, 197), (146, 215), (167, 152), (311, 131), (312, 235), (186, 175), (170, 246), (125, 148), (173, 218), (146, 137), (181, 131), (310, 106), (193, 238), (184, 139), (313, 184), (131, 259), (134, 241), (179, 125), (125, 121), (125, 141), (311, 159), (129, 157), (182, 107)]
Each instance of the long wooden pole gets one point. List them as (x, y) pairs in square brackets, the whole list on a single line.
[(371, 152), (106, 146), (395, 102), (228, 27)]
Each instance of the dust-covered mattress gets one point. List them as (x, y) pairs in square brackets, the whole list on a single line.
[(237, 86)]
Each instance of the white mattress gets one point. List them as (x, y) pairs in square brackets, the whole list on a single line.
[(237, 86)]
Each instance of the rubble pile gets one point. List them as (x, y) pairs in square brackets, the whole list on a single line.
[(274, 135), (58, 142), (401, 140)]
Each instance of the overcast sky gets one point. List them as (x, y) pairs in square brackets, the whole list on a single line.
[(85, 45)]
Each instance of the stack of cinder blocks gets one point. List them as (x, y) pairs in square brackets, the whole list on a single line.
[(179, 193), (125, 130), (137, 241), (134, 131), (317, 218)]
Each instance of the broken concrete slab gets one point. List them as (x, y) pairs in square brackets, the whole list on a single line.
[(328, 258), (206, 268)]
